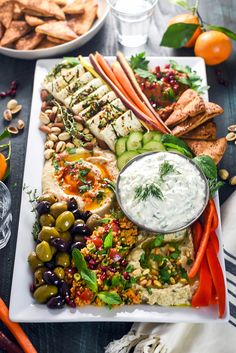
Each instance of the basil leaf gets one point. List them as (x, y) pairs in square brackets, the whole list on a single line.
[(79, 259), (110, 298), (178, 34), (181, 3), (90, 278), (207, 166), (158, 241), (139, 61), (224, 30), (4, 134), (108, 240)]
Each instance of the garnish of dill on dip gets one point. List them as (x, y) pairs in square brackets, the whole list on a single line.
[(142, 192), (165, 169)]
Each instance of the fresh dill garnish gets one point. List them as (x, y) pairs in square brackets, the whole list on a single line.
[(165, 169), (142, 192), (33, 199), (68, 120)]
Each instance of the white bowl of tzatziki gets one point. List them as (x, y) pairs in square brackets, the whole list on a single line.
[(162, 191)]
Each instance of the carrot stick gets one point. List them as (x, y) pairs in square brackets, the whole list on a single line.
[(15, 329), (205, 237)]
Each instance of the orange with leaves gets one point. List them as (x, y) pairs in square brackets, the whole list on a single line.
[(3, 166), (188, 18)]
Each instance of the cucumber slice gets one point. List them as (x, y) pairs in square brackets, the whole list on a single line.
[(151, 135), (134, 141), (125, 158), (120, 146), (154, 146), (142, 150)]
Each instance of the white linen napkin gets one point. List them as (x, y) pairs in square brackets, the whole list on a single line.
[(191, 338)]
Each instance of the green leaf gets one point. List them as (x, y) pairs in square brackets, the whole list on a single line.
[(224, 30), (177, 144), (4, 134), (110, 298), (181, 3), (72, 61), (178, 34), (207, 166), (146, 74), (107, 243), (214, 186), (117, 280), (139, 61), (158, 241), (90, 278), (79, 259)]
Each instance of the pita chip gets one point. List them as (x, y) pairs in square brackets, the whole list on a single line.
[(189, 124), (55, 40), (29, 41), (33, 21), (6, 13), (206, 131), (16, 30), (75, 8), (45, 44), (1, 30), (45, 8), (82, 23), (185, 98), (61, 3), (17, 11), (58, 29), (215, 149)]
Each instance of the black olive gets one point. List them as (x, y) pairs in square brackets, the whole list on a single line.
[(81, 229), (56, 302), (84, 215), (50, 264), (60, 244), (51, 278), (43, 207), (64, 289), (72, 204), (78, 245)]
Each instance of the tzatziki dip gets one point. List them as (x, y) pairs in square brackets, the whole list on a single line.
[(162, 191)]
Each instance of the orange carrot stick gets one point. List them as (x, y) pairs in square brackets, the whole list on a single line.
[(15, 329)]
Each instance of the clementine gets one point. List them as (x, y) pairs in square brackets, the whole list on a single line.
[(188, 18), (3, 166), (213, 46)]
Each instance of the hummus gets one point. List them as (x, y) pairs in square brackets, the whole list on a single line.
[(164, 267), (82, 175)]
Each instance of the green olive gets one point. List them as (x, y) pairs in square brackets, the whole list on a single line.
[(78, 221), (47, 233), (62, 259), (43, 251), (48, 197), (65, 221), (45, 292), (57, 208), (38, 276), (34, 261), (53, 250), (47, 220), (59, 271), (65, 236)]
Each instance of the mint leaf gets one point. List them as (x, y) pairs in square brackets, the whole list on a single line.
[(107, 243), (110, 298), (79, 259), (178, 34), (207, 166), (139, 61), (146, 74), (224, 30), (90, 278)]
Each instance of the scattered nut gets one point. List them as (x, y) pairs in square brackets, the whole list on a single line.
[(44, 106), (13, 130), (231, 136), (12, 104), (44, 118), (49, 145), (44, 128), (143, 282), (64, 136), (86, 131), (76, 142), (232, 128), (53, 137), (78, 118), (79, 127), (60, 147), (88, 137), (44, 95), (20, 124), (17, 109), (224, 174), (58, 119), (70, 145), (7, 115), (54, 110), (48, 111), (55, 130), (232, 180), (60, 125), (48, 153)]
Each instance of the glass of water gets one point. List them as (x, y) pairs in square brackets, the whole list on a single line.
[(5, 215), (132, 19)]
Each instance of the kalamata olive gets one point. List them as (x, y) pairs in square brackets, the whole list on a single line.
[(56, 302), (57, 208), (78, 245), (64, 290), (62, 259), (72, 204), (47, 233), (84, 215), (81, 229), (64, 221), (45, 292), (50, 264), (43, 251), (51, 278), (47, 220), (59, 271), (60, 244), (43, 207), (93, 221), (34, 261), (48, 197)]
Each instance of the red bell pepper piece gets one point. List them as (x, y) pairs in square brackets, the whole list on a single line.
[(215, 241), (197, 235), (202, 297), (217, 277)]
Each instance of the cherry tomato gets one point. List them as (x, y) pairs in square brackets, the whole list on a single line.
[(97, 242), (87, 295)]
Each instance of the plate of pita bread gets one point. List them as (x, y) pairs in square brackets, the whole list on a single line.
[(32, 29)]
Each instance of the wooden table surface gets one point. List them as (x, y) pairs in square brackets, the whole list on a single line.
[(92, 337)]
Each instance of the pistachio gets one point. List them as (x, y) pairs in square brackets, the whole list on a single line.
[(60, 147), (13, 130), (17, 109), (64, 136), (48, 153), (12, 104), (53, 137), (231, 136), (70, 145), (54, 110), (58, 118), (44, 95), (7, 115), (88, 137), (232, 180), (76, 142), (224, 174), (45, 128), (55, 130), (79, 127), (20, 124), (48, 111), (232, 128), (86, 131), (60, 125), (44, 118), (49, 144), (44, 106)]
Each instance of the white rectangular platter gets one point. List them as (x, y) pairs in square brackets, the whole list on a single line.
[(22, 305)]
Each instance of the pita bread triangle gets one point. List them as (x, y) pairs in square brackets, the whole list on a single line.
[(6, 13), (44, 8), (16, 30), (206, 131), (58, 29)]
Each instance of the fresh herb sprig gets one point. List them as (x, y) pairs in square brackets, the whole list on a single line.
[(142, 192), (165, 169), (68, 119), (139, 61), (33, 198)]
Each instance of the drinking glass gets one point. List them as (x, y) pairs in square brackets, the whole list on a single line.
[(5, 215), (132, 18)]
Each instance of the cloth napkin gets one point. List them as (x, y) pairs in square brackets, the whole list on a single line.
[(192, 338)]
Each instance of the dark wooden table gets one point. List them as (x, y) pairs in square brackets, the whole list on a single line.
[(92, 337)]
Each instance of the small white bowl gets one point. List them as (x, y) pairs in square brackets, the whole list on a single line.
[(103, 10)]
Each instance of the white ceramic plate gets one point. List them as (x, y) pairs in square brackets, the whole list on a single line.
[(22, 306), (103, 10)]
